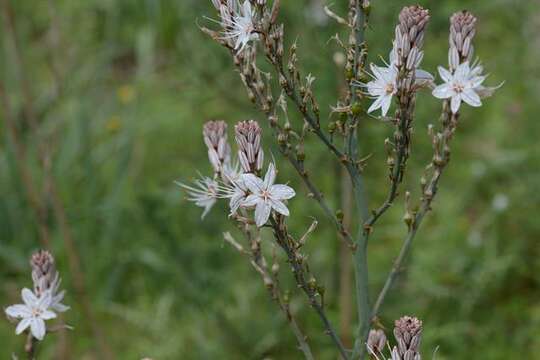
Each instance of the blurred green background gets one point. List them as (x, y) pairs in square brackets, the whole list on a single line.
[(120, 90)]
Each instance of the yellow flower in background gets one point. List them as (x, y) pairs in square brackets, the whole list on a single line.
[(126, 94), (113, 124)]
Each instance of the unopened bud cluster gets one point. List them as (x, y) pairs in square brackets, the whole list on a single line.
[(219, 150), (250, 153), (462, 31), (408, 334), (409, 37)]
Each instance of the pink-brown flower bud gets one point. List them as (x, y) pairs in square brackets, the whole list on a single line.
[(250, 153), (44, 273), (408, 333), (215, 138), (462, 31)]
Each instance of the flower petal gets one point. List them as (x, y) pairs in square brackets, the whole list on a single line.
[(471, 98), (386, 102), (235, 202), (376, 104), (446, 75), (29, 297), (48, 314), (253, 183), (270, 176), (262, 213), (251, 201), (455, 103), (18, 311), (443, 91), (37, 326), (23, 325), (280, 207), (280, 192)]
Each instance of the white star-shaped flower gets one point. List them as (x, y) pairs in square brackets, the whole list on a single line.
[(204, 193), (460, 86), (32, 313), (266, 196), (382, 88), (239, 25)]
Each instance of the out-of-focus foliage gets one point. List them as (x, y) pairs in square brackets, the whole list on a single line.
[(136, 80)]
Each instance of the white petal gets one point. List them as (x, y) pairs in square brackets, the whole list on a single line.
[(462, 71), (28, 297), (253, 183), (445, 74), (247, 9), (262, 213), (471, 98), (374, 88), (423, 75), (37, 326), (386, 102), (477, 81), (455, 103), (59, 307), (280, 207), (18, 311), (48, 315), (251, 201), (376, 71), (208, 204), (270, 176), (281, 192), (23, 325), (443, 91), (45, 300), (236, 201), (376, 104)]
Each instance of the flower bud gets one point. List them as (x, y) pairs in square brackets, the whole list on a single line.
[(248, 137), (215, 138), (376, 342), (408, 333)]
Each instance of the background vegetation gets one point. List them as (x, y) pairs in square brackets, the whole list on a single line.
[(121, 89)]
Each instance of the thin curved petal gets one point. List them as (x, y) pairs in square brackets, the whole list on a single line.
[(281, 192), (262, 213), (280, 207), (23, 325), (18, 311)]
